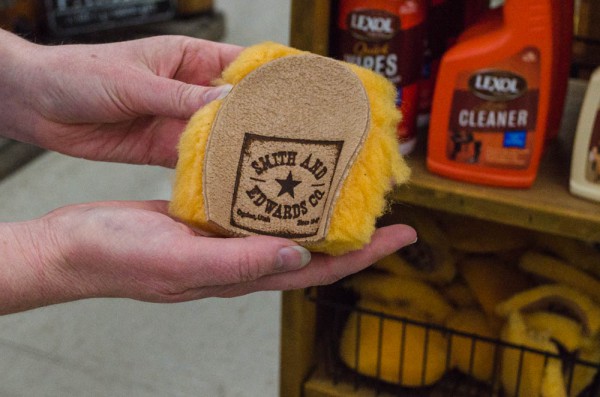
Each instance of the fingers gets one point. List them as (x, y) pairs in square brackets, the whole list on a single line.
[(203, 61), (228, 53)]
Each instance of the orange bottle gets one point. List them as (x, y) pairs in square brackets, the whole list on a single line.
[(492, 98)]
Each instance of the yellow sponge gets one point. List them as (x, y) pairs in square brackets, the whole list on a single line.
[(376, 167), (459, 295), (393, 351), (569, 334), (413, 295), (523, 372), (577, 304), (581, 254), (537, 374), (491, 282), (564, 330), (558, 271), (471, 355)]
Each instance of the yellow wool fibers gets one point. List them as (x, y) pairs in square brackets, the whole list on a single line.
[(362, 198), (187, 201)]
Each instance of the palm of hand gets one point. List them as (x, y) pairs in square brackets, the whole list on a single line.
[(122, 248), (135, 250)]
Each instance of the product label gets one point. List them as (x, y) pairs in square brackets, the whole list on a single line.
[(282, 185), (374, 39), (593, 169), (386, 36), (494, 113)]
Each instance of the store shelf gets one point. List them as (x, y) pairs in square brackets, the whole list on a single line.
[(321, 385), (547, 206)]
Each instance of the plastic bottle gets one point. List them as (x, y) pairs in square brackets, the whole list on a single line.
[(585, 164), (492, 98), (387, 36), (437, 40), (446, 19), (563, 22)]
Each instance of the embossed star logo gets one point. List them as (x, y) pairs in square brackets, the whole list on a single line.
[(287, 185)]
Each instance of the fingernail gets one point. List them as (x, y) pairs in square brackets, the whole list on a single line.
[(292, 258), (219, 92), (414, 242)]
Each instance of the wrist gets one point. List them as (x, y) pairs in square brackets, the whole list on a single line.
[(32, 270), (17, 73)]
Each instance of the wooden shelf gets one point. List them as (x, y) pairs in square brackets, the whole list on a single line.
[(546, 207), (309, 28), (319, 385)]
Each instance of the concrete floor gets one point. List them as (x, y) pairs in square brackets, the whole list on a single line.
[(116, 347)]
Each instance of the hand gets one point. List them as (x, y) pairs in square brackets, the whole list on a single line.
[(135, 250), (124, 102)]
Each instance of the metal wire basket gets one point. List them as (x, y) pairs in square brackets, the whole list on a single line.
[(337, 310)]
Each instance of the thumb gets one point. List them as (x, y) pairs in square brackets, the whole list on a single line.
[(193, 97), (239, 260), (181, 100)]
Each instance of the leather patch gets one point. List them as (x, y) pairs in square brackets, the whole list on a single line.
[(281, 146)]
